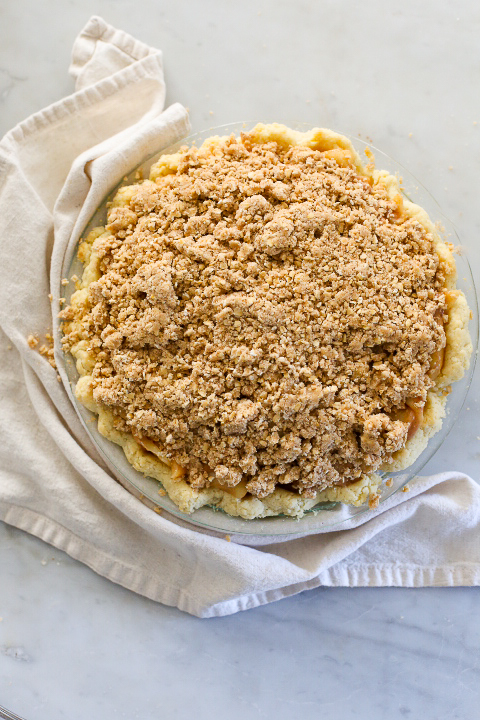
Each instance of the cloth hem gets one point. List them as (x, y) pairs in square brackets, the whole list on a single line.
[(381, 575), (81, 99), (97, 29)]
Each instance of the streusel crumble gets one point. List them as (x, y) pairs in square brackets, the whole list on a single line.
[(266, 323)]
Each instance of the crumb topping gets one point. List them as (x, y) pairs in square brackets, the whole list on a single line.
[(264, 314)]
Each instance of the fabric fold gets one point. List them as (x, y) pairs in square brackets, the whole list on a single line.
[(101, 50)]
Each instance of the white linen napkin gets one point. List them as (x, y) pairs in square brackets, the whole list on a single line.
[(56, 167)]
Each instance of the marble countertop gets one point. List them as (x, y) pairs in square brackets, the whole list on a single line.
[(73, 645)]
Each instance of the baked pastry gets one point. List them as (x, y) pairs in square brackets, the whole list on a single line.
[(266, 324)]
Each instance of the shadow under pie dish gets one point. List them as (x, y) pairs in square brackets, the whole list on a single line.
[(267, 324)]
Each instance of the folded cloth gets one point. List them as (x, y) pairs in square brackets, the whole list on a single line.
[(56, 167)]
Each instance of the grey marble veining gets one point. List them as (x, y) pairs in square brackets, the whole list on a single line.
[(72, 645)]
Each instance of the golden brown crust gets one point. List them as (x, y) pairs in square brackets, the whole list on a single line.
[(262, 234)]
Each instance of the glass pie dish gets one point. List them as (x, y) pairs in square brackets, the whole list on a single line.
[(323, 515)]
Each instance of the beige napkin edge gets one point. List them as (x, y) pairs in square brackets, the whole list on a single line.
[(97, 29)]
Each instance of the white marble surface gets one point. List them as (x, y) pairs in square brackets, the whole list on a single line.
[(72, 645)]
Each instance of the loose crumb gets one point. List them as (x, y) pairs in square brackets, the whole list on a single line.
[(373, 501), (45, 349), (389, 482), (48, 352), (405, 489), (158, 510), (228, 538)]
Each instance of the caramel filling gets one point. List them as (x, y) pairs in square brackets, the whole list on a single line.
[(436, 363), (341, 157), (438, 357), (238, 491), (410, 415), (178, 472)]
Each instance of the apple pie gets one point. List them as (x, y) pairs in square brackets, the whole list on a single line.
[(267, 323)]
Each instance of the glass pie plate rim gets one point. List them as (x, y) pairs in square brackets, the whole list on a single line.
[(326, 515)]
